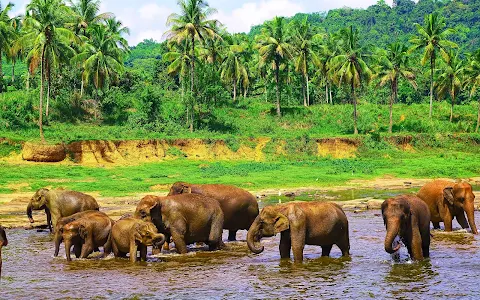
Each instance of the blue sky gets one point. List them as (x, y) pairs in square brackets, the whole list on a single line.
[(146, 18)]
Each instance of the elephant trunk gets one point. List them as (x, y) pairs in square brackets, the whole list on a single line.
[(393, 229), (254, 237), (470, 211), (29, 213), (68, 246), (158, 240), (58, 240)]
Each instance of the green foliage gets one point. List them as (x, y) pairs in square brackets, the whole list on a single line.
[(16, 109)]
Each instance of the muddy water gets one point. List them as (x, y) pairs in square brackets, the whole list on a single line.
[(30, 271)]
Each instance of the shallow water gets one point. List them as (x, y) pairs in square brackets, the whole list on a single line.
[(30, 271)]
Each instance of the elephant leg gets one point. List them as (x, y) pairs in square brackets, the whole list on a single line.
[(232, 235), (298, 243), (88, 246), (448, 224), (344, 244), (133, 252), (49, 220), (116, 253), (285, 244), (462, 220), (179, 240), (425, 234), (436, 225), (415, 247), (326, 250), (143, 252), (216, 230), (77, 249), (107, 248)]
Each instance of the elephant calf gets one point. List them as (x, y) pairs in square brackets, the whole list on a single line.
[(187, 218), (301, 223), (130, 235), (88, 233), (59, 203), (408, 217), (3, 242)]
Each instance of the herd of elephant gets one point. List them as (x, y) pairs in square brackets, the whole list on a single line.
[(193, 213)]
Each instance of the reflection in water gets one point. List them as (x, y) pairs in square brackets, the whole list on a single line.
[(237, 273)]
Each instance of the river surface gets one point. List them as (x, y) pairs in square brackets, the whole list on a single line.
[(31, 272)]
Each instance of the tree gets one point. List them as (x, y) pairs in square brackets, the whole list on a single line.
[(451, 81), (304, 39), (275, 48), (7, 36), (472, 72), (86, 14), (233, 69), (328, 50), (393, 65), (432, 38), (350, 67), (50, 42)]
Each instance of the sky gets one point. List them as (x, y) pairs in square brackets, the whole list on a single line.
[(146, 18)]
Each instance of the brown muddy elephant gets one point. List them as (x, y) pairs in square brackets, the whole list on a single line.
[(130, 235), (3, 243), (240, 208), (88, 233), (447, 200), (187, 218), (408, 217), (301, 223), (59, 203), (64, 221)]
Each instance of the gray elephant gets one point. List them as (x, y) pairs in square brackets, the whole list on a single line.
[(239, 207), (130, 235), (301, 223), (3, 243), (60, 203)]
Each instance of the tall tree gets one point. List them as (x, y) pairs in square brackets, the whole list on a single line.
[(393, 65), (86, 14), (451, 80), (233, 69), (473, 79), (50, 42), (350, 66), (275, 48), (7, 35), (432, 38)]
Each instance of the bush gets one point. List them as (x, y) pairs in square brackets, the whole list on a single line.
[(17, 110)]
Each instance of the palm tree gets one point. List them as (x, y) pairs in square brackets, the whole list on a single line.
[(7, 35), (192, 23), (50, 42), (274, 48), (432, 38), (86, 14), (233, 69), (473, 78), (393, 65), (16, 51), (304, 39), (328, 50), (116, 32), (349, 67), (451, 81)]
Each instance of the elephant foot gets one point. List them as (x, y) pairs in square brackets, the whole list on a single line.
[(232, 236)]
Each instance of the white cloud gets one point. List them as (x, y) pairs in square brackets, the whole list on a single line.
[(253, 13)]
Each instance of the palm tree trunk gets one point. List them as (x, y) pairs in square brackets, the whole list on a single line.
[(40, 109), (355, 129), (13, 71), (331, 96), (326, 93), (234, 90), (308, 90), (392, 101), (48, 100), (432, 67), (81, 88), (1, 71), (304, 95), (27, 84), (451, 109), (192, 68), (277, 80), (478, 118)]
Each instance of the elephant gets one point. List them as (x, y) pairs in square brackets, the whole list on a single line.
[(301, 223), (59, 203), (408, 217), (187, 218), (64, 221), (88, 233), (130, 234), (240, 208), (447, 200), (3, 243)]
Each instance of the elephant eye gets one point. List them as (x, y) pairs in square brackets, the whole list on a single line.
[(143, 214)]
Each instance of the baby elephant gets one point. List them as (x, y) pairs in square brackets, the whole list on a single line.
[(408, 217), (88, 233), (3, 242), (301, 223), (130, 235)]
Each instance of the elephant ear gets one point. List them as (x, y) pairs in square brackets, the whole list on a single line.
[(136, 232), (82, 232), (448, 194), (281, 223)]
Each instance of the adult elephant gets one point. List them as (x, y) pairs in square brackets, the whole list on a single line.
[(86, 234), (240, 208), (130, 235), (301, 223), (447, 200), (59, 203), (408, 217), (3, 242), (187, 218), (64, 221)]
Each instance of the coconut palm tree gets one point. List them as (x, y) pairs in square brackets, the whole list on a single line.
[(350, 66), (451, 81), (328, 50), (304, 39), (432, 38), (473, 79), (233, 69), (50, 42), (275, 48), (192, 23), (7, 35), (86, 14), (393, 65)]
